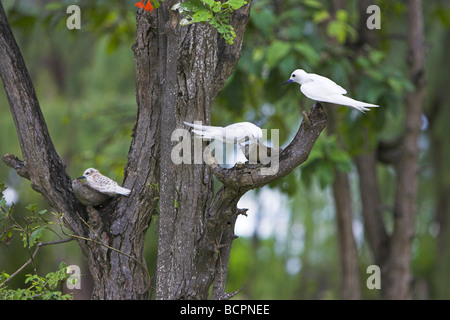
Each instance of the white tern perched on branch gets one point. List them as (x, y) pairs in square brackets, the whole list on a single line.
[(103, 184), (322, 89), (241, 133), (234, 133)]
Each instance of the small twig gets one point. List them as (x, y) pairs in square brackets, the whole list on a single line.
[(39, 245), (228, 296), (19, 227), (118, 251), (93, 231), (100, 242), (305, 117)]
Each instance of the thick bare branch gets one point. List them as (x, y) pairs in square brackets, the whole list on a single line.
[(12, 161), (41, 163)]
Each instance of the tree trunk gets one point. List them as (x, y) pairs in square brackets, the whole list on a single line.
[(393, 252), (374, 227), (350, 288), (437, 114), (348, 253), (405, 206), (184, 68)]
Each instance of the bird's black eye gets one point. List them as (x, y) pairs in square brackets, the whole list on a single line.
[(293, 75), (87, 173)]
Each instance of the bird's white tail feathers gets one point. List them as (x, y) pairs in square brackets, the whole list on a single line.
[(122, 191), (206, 132), (195, 126), (358, 105)]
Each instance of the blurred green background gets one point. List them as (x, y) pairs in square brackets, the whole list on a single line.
[(287, 247)]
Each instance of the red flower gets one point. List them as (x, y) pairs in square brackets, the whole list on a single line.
[(147, 7), (139, 4)]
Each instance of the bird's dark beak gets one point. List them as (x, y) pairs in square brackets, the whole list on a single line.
[(289, 81), (82, 177)]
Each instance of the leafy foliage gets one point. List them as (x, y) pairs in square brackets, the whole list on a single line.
[(43, 287), (216, 13), (33, 226)]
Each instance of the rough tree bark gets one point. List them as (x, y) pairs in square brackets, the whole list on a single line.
[(179, 71), (121, 223), (187, 66)]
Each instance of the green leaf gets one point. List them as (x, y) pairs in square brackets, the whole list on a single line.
[(235, 4), (31, 207), (395, 84), (35, 235), (313, 4), (342, 15), (216, 7), (277, 51), (30, 278), (376, 56), (2, 202), (321, 16), (209, 3), (192, 5), (337, 30), (202, 16), (308, 52), (53, 6), (63, 266)]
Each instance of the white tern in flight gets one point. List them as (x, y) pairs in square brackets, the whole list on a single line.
[(103, 184), (322, 89), (234, 133)]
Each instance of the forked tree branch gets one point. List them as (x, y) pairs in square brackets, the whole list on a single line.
[(249, 176), (240, 179)]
